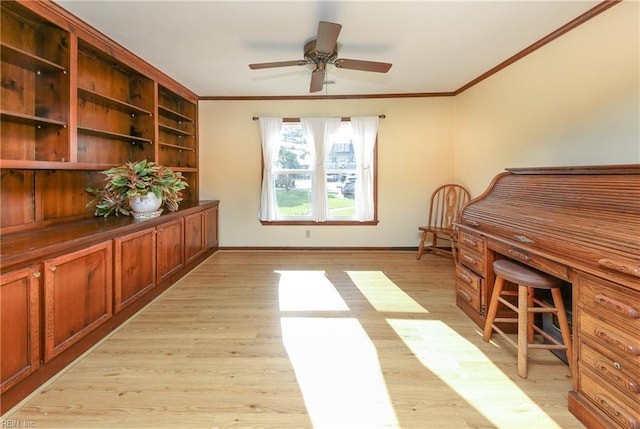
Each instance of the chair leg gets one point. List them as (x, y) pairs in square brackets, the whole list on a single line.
[(493, 308), (421, 245), (523, 341), (558, 303)]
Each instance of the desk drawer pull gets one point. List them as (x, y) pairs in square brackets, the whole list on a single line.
[(465, 295), (608, 338), (471, 222), (618, 307), (470, 260), (615, 411), (619, 266), (470, 242), (519, 255), (617, 378), (465, 278)]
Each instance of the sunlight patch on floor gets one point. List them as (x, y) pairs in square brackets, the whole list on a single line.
[(308, 291), (463, 367), (384, 294), (339, 373)]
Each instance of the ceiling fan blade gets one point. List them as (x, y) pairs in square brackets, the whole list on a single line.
[(277, 64), (327, 36), (317, 80), (372, 66)]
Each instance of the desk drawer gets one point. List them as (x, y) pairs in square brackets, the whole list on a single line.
[(621, 342), (625, 377), (471, 242), (612, 302), (528, 258), (618, 408), (471, 260), (469, 287)]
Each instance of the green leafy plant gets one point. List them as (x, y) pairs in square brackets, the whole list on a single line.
[(137, 178)]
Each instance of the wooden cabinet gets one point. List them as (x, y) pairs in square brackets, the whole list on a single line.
[(20, 319), (608, 320), (194, 236), (75, 103), (211, 227), (134, 266), (170, 248), (77, 292)]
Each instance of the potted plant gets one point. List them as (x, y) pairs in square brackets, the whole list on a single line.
[(138, 182)]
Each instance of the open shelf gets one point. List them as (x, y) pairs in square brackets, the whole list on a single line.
[(105, 100), (28, 61), (112, 135), (177, 116), (176, 146), (29, 119), (175, 131)]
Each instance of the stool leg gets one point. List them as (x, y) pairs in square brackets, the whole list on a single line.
[(493, 308), (564, 325), (530, 317), (523, 343)]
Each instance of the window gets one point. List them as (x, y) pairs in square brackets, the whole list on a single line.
[(318, 170)]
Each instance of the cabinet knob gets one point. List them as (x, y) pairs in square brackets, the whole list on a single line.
[(36, 274), (52, 268)]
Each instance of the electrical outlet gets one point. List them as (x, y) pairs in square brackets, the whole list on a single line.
[(307, 233)]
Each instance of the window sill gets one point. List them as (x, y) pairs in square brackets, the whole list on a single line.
[(327, 223)]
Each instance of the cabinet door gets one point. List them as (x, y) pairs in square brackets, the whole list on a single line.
[(20, 325), (77, 296), (211, 227), (193, 236), (170, 248), (135, 267)]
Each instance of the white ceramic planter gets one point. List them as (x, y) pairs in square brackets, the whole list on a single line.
[(145, 203)]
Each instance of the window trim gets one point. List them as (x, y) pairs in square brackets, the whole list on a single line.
[(292, 222)]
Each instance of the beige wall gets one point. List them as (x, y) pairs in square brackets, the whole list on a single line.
[(574, 101), (415, 155)]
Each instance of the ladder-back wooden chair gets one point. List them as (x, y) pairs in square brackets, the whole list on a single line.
[(446, 203)]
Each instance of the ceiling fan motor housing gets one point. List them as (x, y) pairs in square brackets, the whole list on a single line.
[(313, 56)]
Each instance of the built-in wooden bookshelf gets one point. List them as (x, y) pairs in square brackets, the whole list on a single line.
[(74, 103)]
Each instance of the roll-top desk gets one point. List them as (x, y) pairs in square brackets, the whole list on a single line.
[(582, 225)]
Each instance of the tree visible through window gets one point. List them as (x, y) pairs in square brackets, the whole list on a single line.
[(296, 175)]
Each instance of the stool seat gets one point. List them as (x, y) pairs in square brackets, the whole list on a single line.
[(526, 306), (521, 274)]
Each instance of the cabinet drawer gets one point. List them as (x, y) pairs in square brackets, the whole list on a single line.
[(468, 287), (618, 408), (471, 242), (612, 302), (471, 260), (625, 377), (555, 269), (620, 341)]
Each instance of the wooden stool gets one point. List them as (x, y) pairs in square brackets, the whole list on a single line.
[(527, 280)]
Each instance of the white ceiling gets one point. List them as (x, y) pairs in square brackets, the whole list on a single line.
[(435, 46)]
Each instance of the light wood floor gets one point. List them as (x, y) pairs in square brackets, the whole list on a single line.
[(304, 339)]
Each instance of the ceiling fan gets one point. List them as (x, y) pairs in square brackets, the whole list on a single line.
[(322, 51)]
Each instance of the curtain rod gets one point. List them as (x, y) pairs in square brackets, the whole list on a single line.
[(344, 118)]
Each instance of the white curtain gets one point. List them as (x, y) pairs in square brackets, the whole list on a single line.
[(365, 130), (270, 136), (318, 132)]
